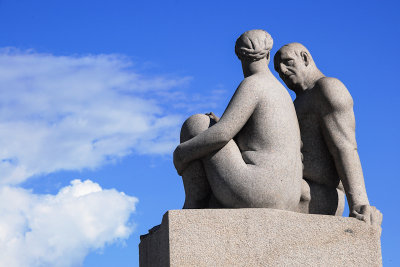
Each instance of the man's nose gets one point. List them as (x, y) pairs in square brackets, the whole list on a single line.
[(283, 68)]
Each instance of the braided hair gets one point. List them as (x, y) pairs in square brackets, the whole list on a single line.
[(253, 45)]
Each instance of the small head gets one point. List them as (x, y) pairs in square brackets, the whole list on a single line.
[(295, 65), (253, 45)]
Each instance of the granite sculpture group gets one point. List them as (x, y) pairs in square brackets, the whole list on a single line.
[(261, 181), (265, 152)]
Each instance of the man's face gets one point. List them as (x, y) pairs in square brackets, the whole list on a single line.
[(291, 68)]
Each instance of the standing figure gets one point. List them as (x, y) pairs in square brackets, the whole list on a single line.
[(324, 109), (250, 157)]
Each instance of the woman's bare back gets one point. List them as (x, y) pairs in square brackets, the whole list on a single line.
[(260, 166)]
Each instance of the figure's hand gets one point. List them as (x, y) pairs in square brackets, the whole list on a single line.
[(213, 116), (178, 162), (368, 214)]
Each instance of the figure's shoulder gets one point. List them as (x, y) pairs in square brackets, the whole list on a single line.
[(334, 93), (252, 82), (329, 85), (248, 81)]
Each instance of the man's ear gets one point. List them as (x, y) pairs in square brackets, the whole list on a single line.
[(305, 57), (268, 55)]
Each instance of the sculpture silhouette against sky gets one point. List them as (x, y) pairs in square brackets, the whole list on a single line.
[(251, 157)]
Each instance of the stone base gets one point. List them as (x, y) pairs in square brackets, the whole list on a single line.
[(259, 237)]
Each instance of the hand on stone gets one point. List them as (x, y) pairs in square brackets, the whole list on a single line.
[(213, 116), (178, 162), (369, 214)]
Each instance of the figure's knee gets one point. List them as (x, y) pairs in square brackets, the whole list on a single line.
[(194, 125)]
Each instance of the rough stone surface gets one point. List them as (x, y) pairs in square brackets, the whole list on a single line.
[(250, 157), (259, 237)]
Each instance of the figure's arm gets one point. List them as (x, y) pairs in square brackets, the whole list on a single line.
[(238, 112), (338, 127)]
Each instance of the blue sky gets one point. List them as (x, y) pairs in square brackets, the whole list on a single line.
[(93, 94)]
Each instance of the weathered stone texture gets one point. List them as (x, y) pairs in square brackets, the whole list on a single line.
[(259, 237)]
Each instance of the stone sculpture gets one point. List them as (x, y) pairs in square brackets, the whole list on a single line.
[(251, 157), (324, 109)]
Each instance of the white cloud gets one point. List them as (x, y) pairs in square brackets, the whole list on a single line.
[(70, 113), (60, 230), (74, 112)]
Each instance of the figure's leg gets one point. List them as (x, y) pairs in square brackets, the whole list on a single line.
[(198, 192), (325, 200), (236, 184), (197, 188), (225, 180), (225, 169)]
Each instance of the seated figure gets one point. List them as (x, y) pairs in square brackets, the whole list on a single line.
[(331, 163), (250, 157)]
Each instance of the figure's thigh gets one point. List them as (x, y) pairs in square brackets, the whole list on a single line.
[(224, 169), (236, 184), (226, 174)]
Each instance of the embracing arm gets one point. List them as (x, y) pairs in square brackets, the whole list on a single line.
[(238, 112), (338, 126)]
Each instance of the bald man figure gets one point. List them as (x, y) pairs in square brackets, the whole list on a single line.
[(331, 162)]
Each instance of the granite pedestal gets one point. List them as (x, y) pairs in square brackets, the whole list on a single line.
[(259, 237)]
